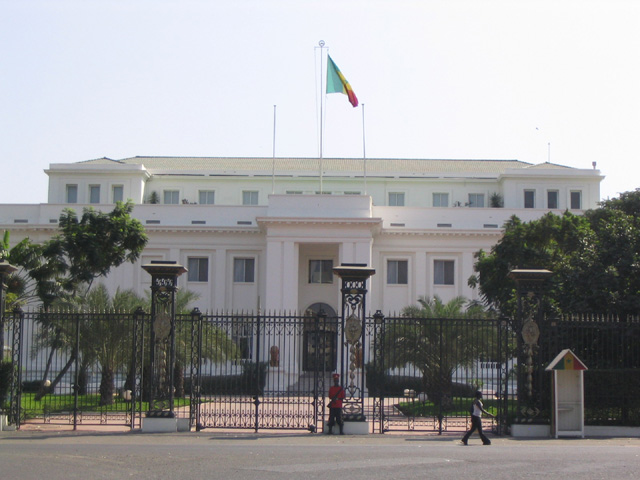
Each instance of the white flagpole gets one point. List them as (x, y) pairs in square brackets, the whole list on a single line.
[(321, 43), (364, 152), (273, 167)]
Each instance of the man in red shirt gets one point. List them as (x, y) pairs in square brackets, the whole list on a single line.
[(336, 395)]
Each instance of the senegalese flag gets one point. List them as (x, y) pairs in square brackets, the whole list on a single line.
[(569, 362), (336, 83)]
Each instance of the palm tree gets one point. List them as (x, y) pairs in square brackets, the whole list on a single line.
[(432, 337)]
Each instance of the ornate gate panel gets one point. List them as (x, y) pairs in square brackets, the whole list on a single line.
[(423, 372), (265, 371)]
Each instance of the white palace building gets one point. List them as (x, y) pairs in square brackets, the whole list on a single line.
[(265, 233)]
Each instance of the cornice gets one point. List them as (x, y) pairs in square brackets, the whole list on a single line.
[(496, 232), (376, 221)]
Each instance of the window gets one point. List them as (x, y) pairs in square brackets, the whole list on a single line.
[(576, 200), (396, 199), (476, 200), (529, 199), (206, 197), (443, 272), (552, 198), (249, 198), (351, 193), (72, 194), (171, 197), (320, 271), (117, 193), (294, 192), (198, 269), (243, 270), (397, 272), (94, 193), (440, 199)]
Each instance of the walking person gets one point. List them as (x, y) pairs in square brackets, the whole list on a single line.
[(336, 395), (476, 420)]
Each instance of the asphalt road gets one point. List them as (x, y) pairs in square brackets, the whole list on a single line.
[(212, 455)]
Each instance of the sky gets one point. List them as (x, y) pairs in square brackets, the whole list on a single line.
[(439, 79)]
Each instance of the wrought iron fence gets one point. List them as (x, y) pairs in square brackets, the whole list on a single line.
[(272, 371), (610, 348), (424, 372), (73, 368)]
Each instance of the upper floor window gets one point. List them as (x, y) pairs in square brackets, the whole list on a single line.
[(206, 197), (351, 192), (396, 199), (250, 197), (476, 200), (397, 272), (244, 270), (117, 193), (440, 199), (94, 193), (552, 198), (443, 272), (294, 192), (171, 197), (198, 269), (72, 193), (529, 199), (320, 271), (576, 200)]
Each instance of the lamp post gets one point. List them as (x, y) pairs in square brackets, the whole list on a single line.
[(164, 285), (354, 289)]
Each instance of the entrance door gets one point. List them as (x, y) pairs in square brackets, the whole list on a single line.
[(319, 340)]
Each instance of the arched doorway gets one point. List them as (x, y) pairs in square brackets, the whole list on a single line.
[(320, 340)]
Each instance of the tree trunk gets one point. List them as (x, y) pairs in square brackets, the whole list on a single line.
[(44, 389), (178, 380), (83, 379), (107, 387)]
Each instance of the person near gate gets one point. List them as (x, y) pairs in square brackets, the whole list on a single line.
[(477, 409), (336, 395)]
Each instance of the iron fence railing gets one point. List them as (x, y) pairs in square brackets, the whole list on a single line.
[(272, 371)]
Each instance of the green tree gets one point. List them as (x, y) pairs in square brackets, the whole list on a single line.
[(552, 242), (595, 259), (65, 266), (432, 337)]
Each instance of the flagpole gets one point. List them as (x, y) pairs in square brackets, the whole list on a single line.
[(273, 167), (364, 152), (321, 44)]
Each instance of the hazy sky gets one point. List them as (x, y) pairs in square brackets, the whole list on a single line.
[(439, 79)]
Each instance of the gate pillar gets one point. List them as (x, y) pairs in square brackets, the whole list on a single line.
[(530, 288), (354, 291), (164, 284)]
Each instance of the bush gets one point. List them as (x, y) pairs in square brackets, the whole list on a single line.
[(251, 381), (381, 384), (6, 369)]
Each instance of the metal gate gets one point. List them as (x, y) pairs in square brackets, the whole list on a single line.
[(255, 371), (424, 372), (262, 371), (74, 368)]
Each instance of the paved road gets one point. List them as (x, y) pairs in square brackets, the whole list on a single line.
[(231, 456)]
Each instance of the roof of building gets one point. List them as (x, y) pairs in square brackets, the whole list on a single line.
[(374, 166)]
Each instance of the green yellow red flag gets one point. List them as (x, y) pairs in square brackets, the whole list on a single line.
[(336, 83)]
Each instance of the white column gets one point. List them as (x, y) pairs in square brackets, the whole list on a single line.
[(282, 276)]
